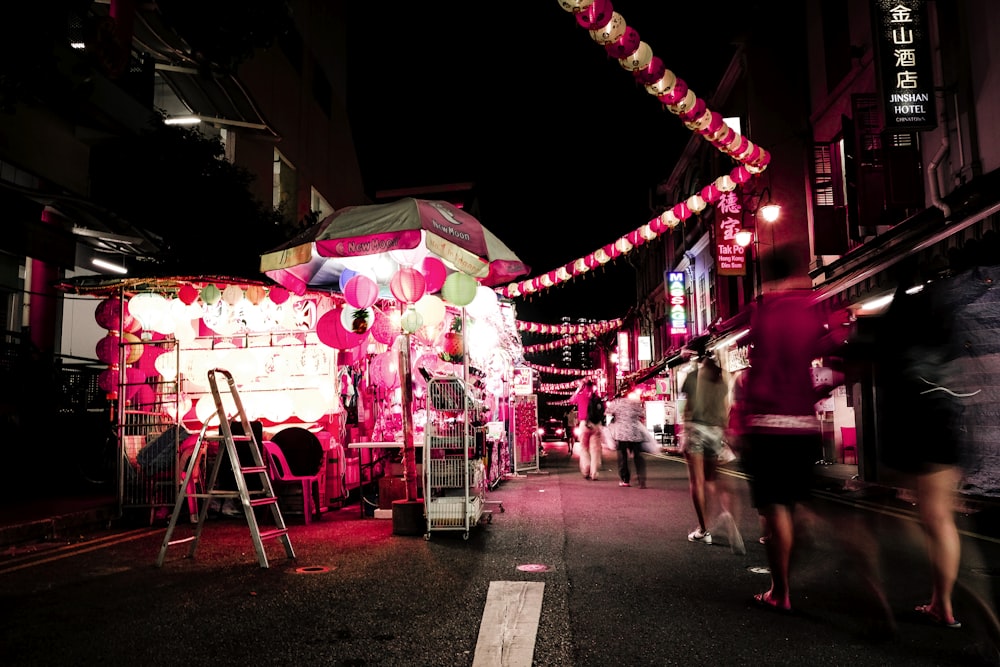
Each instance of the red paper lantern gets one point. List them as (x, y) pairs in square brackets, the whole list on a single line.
[(332, 333), (434, 272), (624, 45), (108, 349), (596, 15), (407, 285), (109, 313), (188, 294), (651, 73), (361, 291), (278, 295)]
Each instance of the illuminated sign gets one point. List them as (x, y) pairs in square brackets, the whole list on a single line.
[(676, 302), (523, 381), (730, 256), (906, 84), (644, 348), (624, 362)]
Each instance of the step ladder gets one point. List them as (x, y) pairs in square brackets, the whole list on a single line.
[(249, 499)]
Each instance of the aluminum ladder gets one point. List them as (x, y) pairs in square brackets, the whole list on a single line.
[(250, 500)]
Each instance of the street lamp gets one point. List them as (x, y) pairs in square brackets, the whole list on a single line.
[(763, 207)]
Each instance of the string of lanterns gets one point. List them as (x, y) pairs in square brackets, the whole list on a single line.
[(594, 328), (555, 370), (556, 344), (621, 41)]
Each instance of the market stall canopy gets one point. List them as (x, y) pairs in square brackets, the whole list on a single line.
[(318, 256)]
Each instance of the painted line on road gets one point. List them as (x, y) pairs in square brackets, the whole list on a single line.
[(509, 625), (71, 550)]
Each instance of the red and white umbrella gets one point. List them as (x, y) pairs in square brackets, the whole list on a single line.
[(316, 257)]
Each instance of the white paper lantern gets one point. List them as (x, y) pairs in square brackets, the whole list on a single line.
[(610, 32), (638, 59)]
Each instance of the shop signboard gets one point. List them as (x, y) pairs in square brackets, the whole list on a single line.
[(906, 84), (730, 256), (676, 302)]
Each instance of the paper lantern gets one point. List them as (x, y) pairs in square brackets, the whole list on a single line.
[(611, 31), (332, 333), (410, 257), (485, 302), (345, 277), (107, 381), (166, 366), (148, 308), (361, 291), (407, 285), (109, 313), (431, 308), (434, 272), (108, 349), (459, 289), (133, 347), (255, 294), (626, 44), (210, 294), (187, 293), (411, 320), (384, 370), (598, 13), (383, 329), (356, 320), (575, 5), (278, 295)]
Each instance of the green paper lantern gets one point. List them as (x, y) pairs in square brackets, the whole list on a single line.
[(459, 289), (411, 320), (210, 294)]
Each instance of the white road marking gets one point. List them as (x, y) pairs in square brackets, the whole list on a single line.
[(509, 624)]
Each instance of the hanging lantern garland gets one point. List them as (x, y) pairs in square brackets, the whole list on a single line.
[(622, 42)]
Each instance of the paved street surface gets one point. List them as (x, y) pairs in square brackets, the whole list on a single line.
[(620, 585)]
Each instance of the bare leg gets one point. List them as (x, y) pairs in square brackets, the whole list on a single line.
[(935, 498), (696, 478), (778, 519)]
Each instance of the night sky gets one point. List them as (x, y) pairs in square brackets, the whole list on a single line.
[(562, 143)]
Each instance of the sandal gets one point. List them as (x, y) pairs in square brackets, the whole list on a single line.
[(764, 601), (927, 613)]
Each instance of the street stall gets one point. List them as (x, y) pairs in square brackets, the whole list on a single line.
[(339, 347)]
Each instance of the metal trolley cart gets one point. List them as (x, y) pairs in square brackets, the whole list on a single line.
[(454, 473)]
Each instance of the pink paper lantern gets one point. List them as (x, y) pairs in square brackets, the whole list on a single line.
[(434, 272), (384, 371), (382, 329), (332, 333), (188, 294), (361, 291), (407, 285)]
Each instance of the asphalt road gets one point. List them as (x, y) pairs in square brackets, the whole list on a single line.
[(621, 585)]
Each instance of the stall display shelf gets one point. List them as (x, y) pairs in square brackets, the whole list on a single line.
[(454, 479)]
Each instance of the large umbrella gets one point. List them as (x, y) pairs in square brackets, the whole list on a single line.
[(315, 257)]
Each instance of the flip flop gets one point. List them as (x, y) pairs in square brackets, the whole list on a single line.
[(764, 601), (928, 614)]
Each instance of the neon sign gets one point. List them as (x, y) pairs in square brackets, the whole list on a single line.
[(677, 302)]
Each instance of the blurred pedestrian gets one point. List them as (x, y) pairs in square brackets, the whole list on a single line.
[(706, 417), (629, 430), (591, 425), (781, 435)]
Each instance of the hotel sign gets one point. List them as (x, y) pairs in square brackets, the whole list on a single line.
[(906, 89)]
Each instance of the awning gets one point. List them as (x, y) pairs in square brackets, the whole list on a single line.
[(218, 99)]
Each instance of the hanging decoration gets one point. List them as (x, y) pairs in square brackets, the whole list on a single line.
[(361, 291), (593, 329), (356, 320), (452, 344), (384, 329), (407, 285), (459, 289), (332, 333), (434, 272)]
